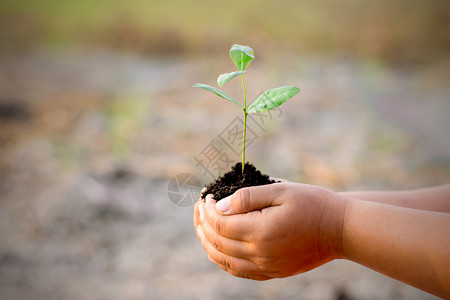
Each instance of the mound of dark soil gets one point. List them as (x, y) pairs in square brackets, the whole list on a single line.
[(233, 180)]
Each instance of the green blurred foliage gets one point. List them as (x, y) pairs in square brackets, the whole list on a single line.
[(392, 31)]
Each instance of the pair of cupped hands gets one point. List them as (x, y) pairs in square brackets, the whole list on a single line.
[(271, 231)]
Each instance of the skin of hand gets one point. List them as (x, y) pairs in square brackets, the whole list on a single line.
[(272, 231), (286, 228)]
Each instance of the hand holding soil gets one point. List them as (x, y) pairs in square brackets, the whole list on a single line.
[(283, 229), (262, 229), (274, 230)]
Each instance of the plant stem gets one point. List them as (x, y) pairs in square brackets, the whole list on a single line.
[(245, 123)]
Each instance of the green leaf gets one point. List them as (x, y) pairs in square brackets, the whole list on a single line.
[(217, 92), (224, 78), (241, 56), (272, 98)]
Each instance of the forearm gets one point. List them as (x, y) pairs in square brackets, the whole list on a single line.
[(410, 245), (432, 199)]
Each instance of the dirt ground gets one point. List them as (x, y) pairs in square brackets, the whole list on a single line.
[(91, 140)]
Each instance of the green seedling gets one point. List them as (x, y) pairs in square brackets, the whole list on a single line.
[(270, 99)]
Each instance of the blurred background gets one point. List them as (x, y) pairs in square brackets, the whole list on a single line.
[(98, 124)]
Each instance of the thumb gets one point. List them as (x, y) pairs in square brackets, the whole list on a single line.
[(248, 199)]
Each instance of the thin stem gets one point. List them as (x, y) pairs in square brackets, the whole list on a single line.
[(245, 123)]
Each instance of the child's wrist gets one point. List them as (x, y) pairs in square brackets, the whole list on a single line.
[(332, 225)]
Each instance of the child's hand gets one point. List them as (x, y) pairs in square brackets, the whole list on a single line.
[(270, 231)]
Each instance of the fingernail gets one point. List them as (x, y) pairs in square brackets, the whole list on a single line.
[(224, 204)]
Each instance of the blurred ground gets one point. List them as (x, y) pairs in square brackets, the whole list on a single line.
[(90, 140), (94, 125)]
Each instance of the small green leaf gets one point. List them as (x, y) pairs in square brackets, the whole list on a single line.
[(224, 78), (241, 56), (272, 98), (217, 92)]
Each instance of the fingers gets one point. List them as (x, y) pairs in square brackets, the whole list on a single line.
[(250, 199), (234, 254), (225, 245), (236, 266), (196, 215), (236, 227), (196, 210), (258, 277)]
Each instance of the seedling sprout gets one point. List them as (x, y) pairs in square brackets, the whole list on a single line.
[(270, 99)]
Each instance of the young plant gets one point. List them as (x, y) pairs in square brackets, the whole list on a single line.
[(242, 57)]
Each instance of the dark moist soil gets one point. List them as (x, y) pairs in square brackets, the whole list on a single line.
[(233, 180)]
